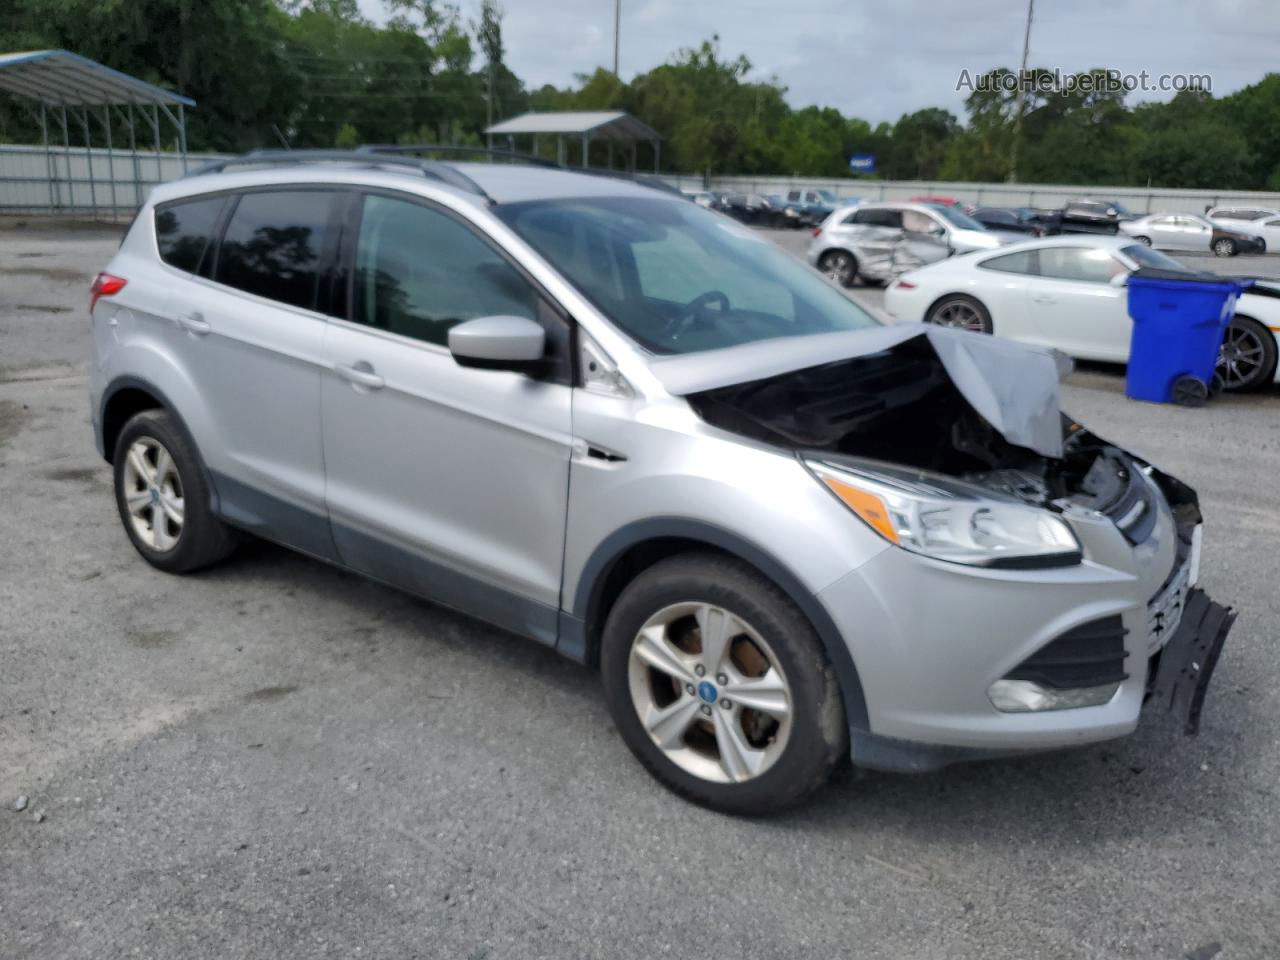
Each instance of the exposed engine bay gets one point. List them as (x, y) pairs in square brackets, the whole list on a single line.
[(902, 406)]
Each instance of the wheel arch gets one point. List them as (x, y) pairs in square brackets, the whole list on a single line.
[(1267, 331), (966, 295), (633, 548)]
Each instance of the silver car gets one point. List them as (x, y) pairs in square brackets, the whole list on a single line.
[(875, 242), (601, 417), (1190, 231)]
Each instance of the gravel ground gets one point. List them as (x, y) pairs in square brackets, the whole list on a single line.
[(275, 758)]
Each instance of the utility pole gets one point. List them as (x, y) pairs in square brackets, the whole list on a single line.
[(617, 30), (1021, 96)]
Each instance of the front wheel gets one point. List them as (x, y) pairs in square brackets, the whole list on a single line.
[(1145, 241), (960, 311), (720, 687), (1247, 359), (1225, 247)]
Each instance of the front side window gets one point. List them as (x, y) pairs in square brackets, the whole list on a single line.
[(677, 279), (914, 221), (184, 231), (420, 271), (1078, 263), (273, 244), (1144, 256)]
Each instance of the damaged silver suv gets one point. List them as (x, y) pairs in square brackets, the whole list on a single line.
[(600, 416)]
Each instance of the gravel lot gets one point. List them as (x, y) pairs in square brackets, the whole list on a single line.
[(275, 758)]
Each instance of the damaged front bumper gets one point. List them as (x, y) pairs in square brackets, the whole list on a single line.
[(1185, 665)]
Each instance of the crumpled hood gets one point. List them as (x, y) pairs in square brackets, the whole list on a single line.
[(1014, 387)]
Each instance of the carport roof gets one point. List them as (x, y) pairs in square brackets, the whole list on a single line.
[(602, 124), (63, 78)]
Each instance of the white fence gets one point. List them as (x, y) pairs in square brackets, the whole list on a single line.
[(95, 182), (87, 182)]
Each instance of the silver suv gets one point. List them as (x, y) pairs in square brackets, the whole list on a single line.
[(875, 242), (604, 418)]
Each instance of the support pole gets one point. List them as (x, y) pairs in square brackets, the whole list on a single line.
[(133, 153), (632, 168), (66, 157), (182, 136), (48, 158), (111, 163), (155, 130), (657, 155), (560, 149), (585, 141), (88, 159), (610, 155)]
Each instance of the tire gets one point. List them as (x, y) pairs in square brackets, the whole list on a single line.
[(1225, 247), (1247, 360), (1145, 241), (841, 266), (960, 311), (788, 752), (163, 496)]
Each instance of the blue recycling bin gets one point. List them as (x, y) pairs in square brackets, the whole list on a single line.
[(1179, 320)]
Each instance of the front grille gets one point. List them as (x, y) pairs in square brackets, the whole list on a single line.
[(1089, 655)]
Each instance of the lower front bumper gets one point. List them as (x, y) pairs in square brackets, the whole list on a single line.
[(1183, 671)]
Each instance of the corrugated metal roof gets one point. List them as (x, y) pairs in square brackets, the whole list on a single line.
[(63, 78), (602, 124)]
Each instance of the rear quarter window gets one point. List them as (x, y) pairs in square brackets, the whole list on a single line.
[(184, 231), (273, 245)]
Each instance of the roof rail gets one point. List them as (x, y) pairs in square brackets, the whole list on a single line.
[(428, 168), (393, 149)]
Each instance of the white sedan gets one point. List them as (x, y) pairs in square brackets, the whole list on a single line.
[(1069, 292)]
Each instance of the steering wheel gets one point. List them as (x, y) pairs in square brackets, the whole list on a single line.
[(696, 312)]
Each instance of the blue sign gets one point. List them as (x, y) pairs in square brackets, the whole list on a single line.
[(863, 163)]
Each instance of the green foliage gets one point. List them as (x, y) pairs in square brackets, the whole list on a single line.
[(318, 73)]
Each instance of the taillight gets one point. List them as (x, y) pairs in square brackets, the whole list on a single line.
[(817, 231), (904, 285), (104, 285)]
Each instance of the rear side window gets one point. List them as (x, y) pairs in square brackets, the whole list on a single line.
[(273, 244), (877, 218), (184, 231), (1025, 261)]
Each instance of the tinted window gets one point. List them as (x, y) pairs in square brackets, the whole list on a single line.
[(420, 272), (678, 279), (273, 244), (1022, 262), (1078, 263), (877, 218), (185, 230), (995, 216)]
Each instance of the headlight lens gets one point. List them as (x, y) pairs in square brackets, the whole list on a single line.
[(949, 520)]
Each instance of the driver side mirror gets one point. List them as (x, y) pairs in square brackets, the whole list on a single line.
[(499, 343), (937, 230)]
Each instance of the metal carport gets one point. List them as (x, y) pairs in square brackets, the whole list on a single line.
[(612, 126), (56, 84)]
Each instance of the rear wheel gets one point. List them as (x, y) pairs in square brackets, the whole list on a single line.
[(1225, 247), (163, 497), (1247, 359), (1145, 241), (720, 687), (961, 312), (840, 266)]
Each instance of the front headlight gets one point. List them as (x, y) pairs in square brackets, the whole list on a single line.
[(948, 519)]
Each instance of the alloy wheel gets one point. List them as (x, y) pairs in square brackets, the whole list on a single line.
[(1241, 357), (710, 692), (153, 494), (959, 314), (838, 267), (1224, 248)]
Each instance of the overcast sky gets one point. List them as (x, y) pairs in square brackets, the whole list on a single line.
[(878, 60)]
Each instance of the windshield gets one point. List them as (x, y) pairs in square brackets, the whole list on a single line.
[(957, 217), (1144, 256), (677, 278), (827, 195)]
